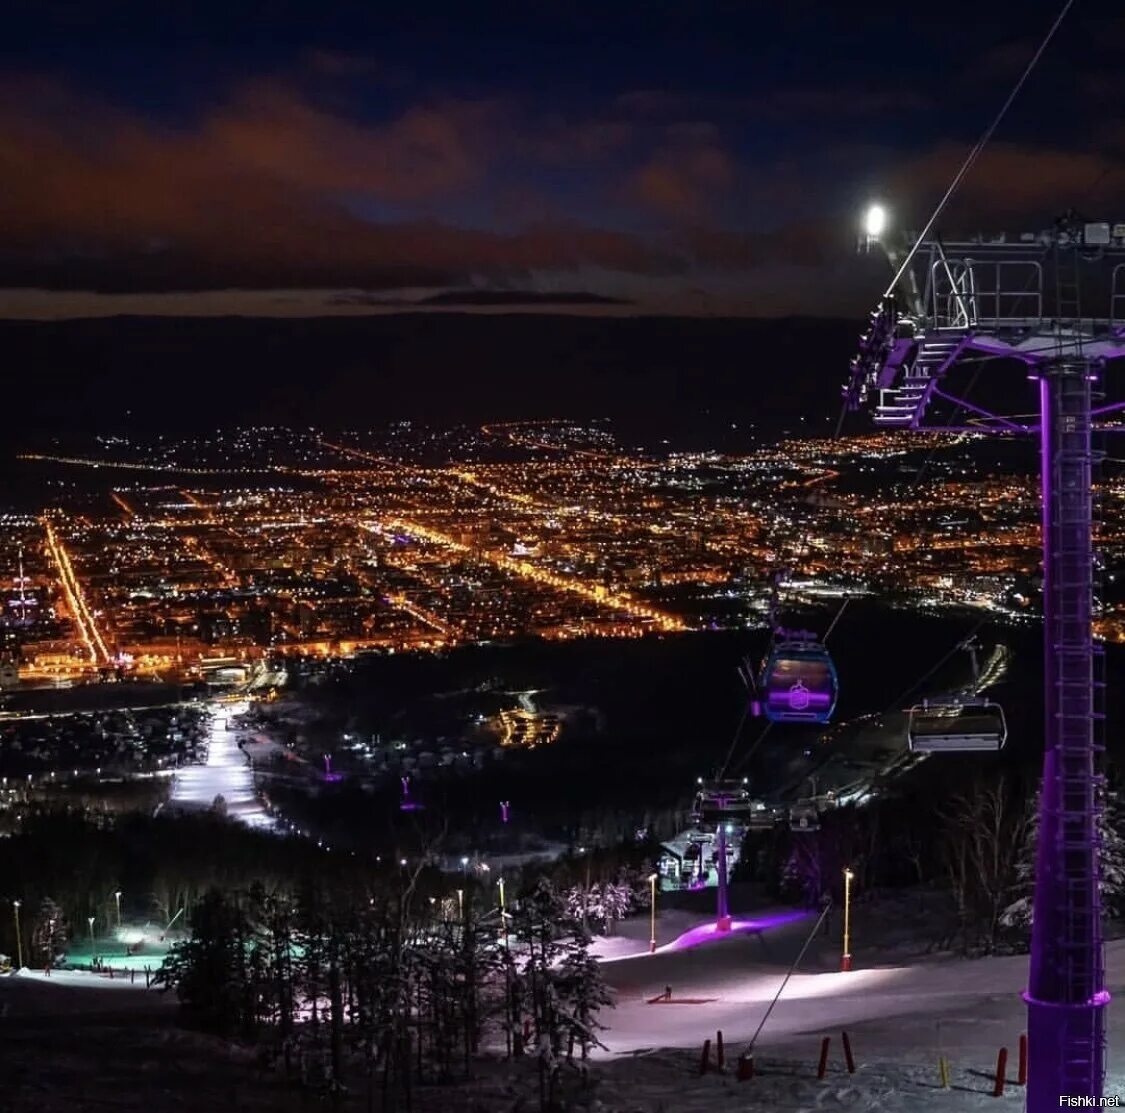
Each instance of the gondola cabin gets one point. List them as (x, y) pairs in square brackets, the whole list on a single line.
[(956, 726), (799, 683)]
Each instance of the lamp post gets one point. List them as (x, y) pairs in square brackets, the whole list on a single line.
[(19, 940), (503, 912), (117, 898), (585, 891), (93, 956), (846, 957), (461, 905), (652, 879)]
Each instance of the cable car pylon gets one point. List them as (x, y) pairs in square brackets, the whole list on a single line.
[(1021, 298), (721, 806)]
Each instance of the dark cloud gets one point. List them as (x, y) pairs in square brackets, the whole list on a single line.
[(1013, 182), (798, 103), (654, 193), (265, 191), (474, 298)]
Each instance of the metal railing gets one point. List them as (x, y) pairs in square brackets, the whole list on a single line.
[(967, 293)]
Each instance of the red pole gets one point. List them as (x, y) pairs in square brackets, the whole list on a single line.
[(848, 1057), (720, 1058), (745, 1068), (1001, 1071), (1021, 1078), (822, 1066), (705, 1058)]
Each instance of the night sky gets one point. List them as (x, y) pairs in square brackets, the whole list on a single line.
[(704, 157)]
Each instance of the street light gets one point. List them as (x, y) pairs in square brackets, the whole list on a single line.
[(503, 912), (93, 956), (117, 897), (846, 957), (652, 879), (19, 940), (586, 891)]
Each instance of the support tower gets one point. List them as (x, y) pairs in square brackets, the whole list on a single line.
[(1055, 302)]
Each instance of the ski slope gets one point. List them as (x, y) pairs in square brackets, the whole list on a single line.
[(900, 1015), (226, 773)]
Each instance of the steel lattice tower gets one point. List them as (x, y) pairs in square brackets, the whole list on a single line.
[(1022, 299)]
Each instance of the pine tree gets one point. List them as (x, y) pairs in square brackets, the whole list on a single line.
[(617, 902), (206, 970), (48, 936), (1017, 916), (582, 994), (1112, 830)]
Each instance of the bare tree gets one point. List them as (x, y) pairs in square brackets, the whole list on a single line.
[(984, 830)]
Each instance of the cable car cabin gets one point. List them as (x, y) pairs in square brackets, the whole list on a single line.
[(804, 815), (956, 726), (799, 683)]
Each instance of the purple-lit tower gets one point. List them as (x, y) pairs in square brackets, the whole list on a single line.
[(1020, 298), (722, 807)]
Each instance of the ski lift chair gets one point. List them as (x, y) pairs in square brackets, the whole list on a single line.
[(956, 725), (760, 817), (804, 816), (720, 802)]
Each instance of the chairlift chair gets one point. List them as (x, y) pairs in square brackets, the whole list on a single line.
[(721, 802), (761, 817), (961, 724), (804, 816)]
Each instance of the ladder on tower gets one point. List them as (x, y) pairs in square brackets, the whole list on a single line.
[(1079, 789), (1068, 290)]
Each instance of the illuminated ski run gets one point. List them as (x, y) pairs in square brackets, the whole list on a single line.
[(226, 773)]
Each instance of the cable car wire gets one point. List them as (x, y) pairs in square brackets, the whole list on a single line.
[(974, 153), (966, 166)]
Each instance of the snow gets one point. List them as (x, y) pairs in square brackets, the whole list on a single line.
[(226, 773), (82, 979), (900, 1016)]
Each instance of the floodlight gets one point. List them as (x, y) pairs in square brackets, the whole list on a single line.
[(875, 222)]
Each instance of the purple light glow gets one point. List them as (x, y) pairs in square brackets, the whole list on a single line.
[(505, 808), (798, 698), (705, 933), (407, 804)]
